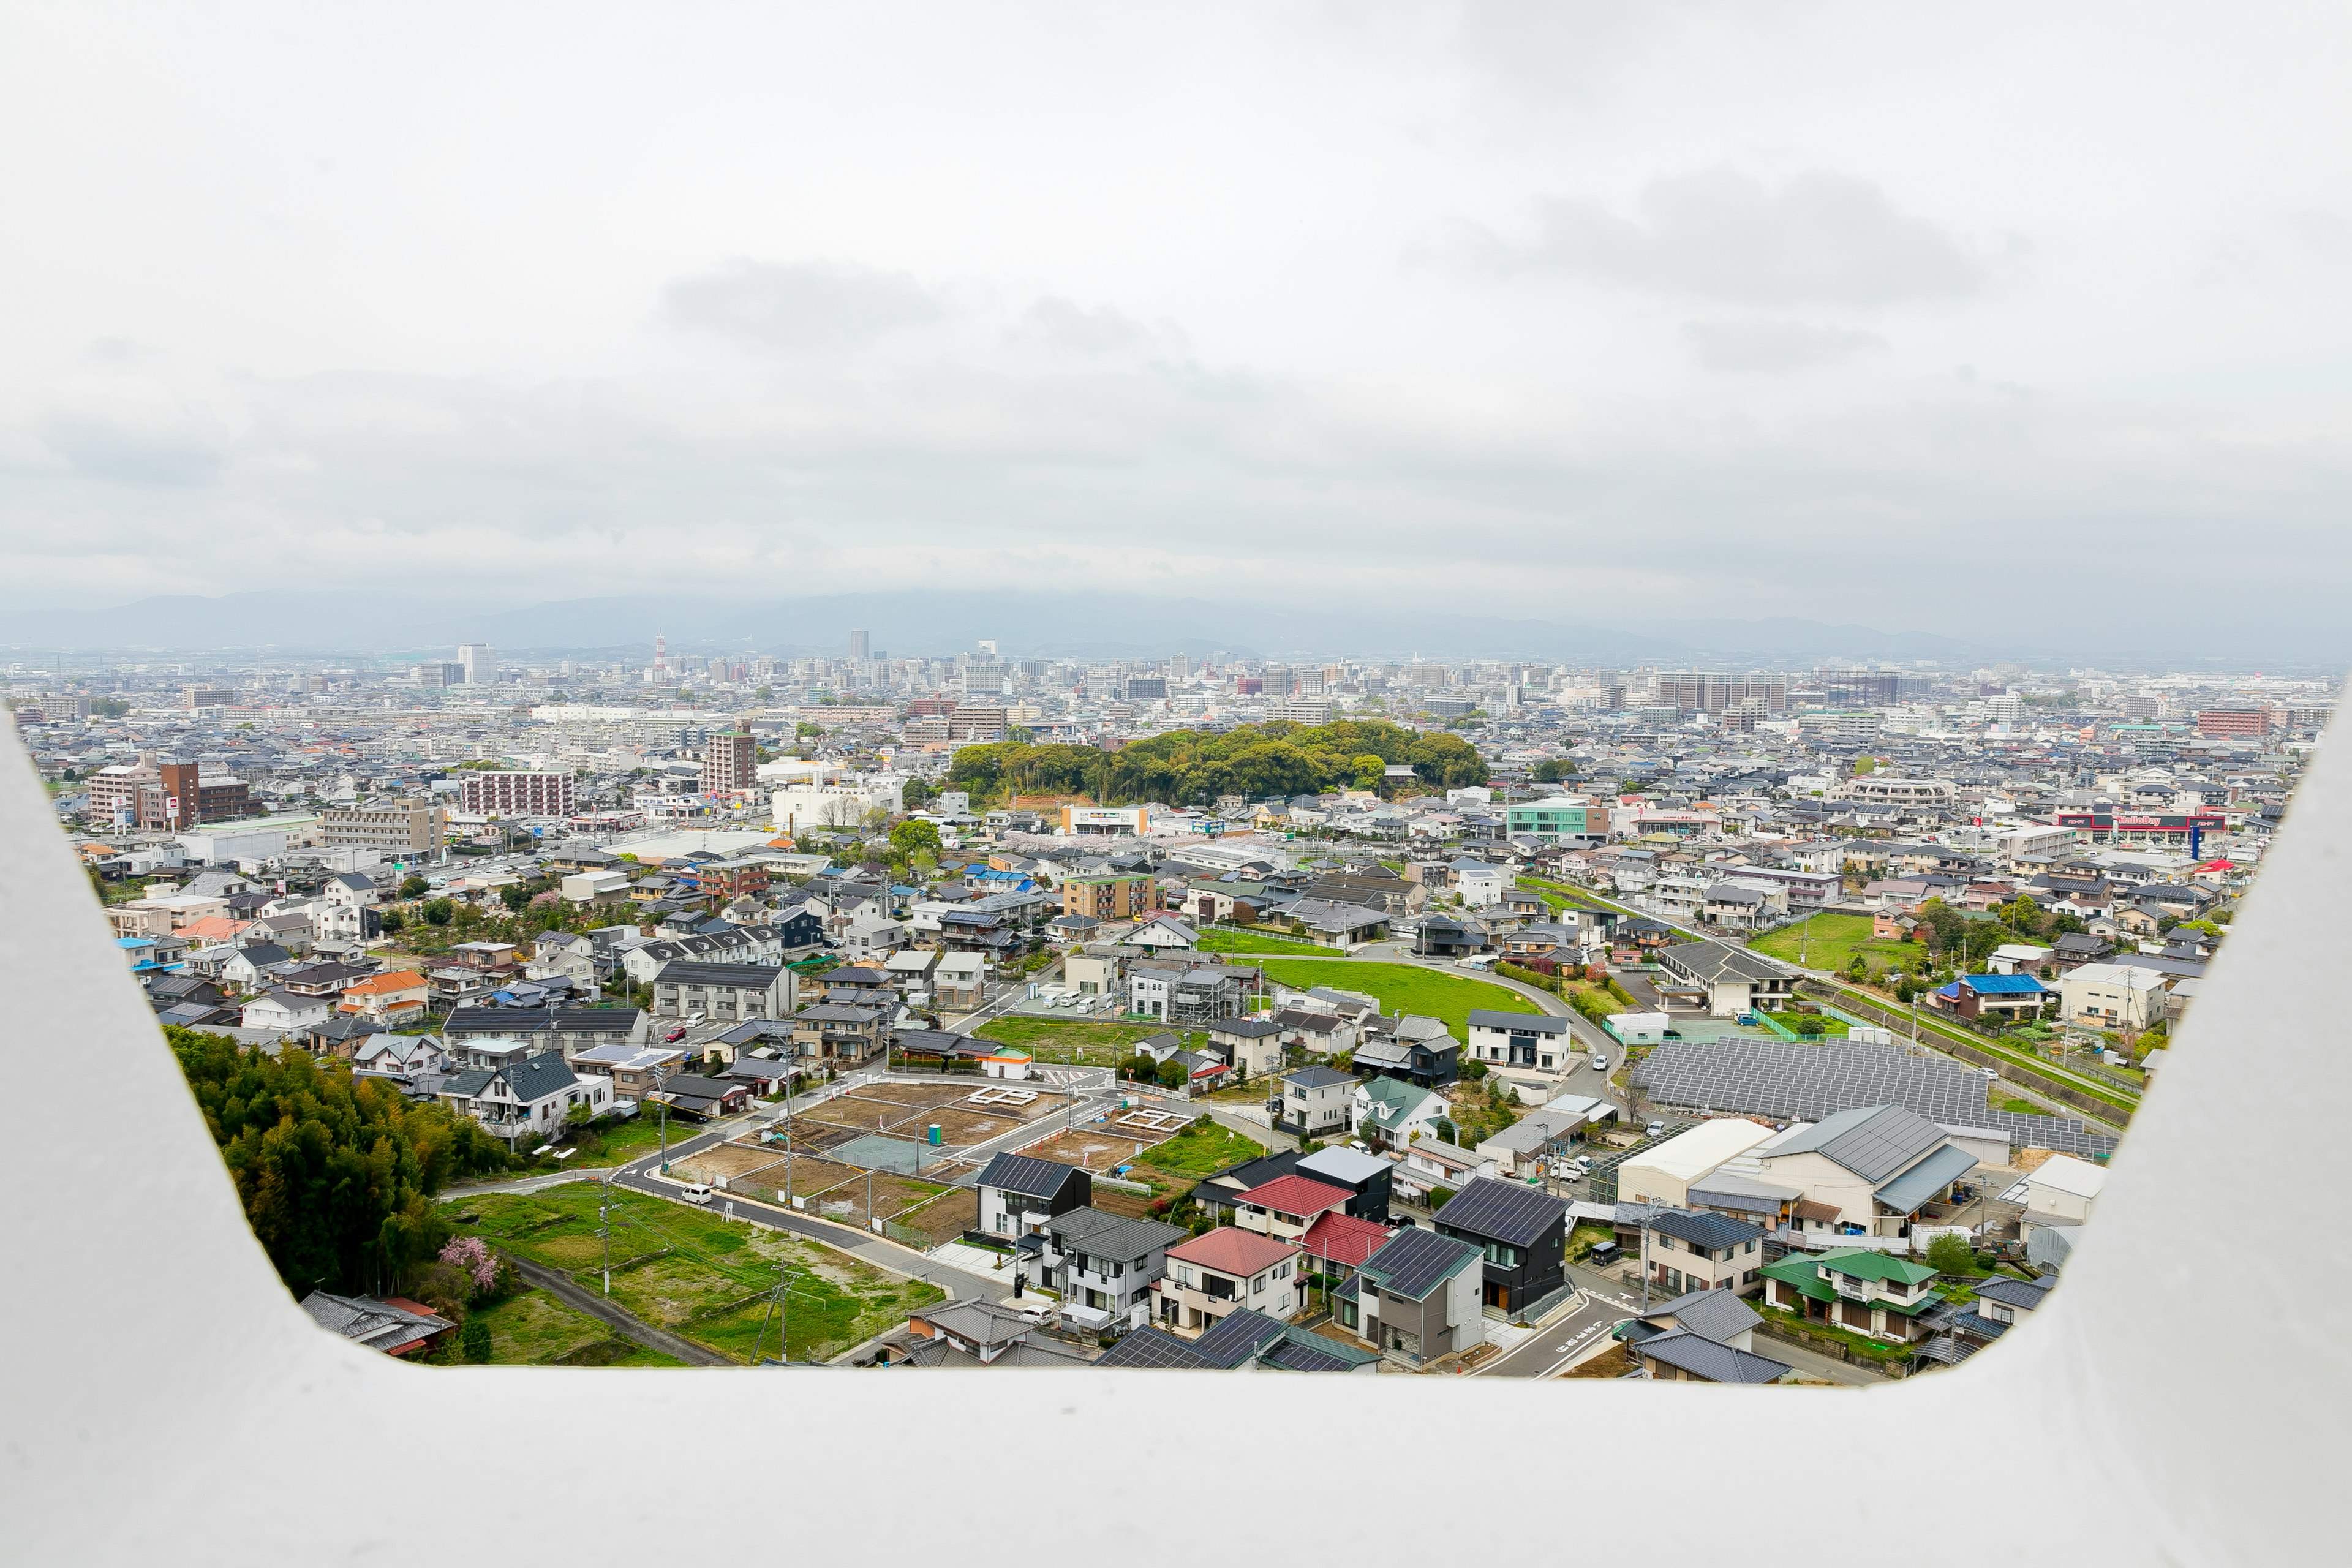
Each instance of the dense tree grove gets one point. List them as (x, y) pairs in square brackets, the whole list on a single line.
[(337, 1175), (1187, 767)]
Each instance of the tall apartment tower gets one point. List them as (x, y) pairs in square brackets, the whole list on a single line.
[(857, 648), (729, 762), (480, 662)]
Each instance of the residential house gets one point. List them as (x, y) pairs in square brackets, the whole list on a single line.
[(973, 1334), (1873, 1293), (1019, 1193), (534, 1095), (1317, 1102), (1252, 1045), (1286, 1207), (1724, 979), (2010, 998), (1240, 1340), (910, 974), (409, 1057), (2119, 997), (393, 1324), (1532, 1041), (1396, 1112), (960, 983), (1418, 1299), (1699, 1251), (1684, 1356), (871, 937), (1522, 1231), (1366, 1178), (1410, 1047), (635, 1070), (1878, 1165), (1103, 1265), (285, 1010), (704, 1099), (1213, 1274), (2061, 1191), (1718, 1315), (1530, 1145), (1426, 1168), (841, 1031), (395, 999)]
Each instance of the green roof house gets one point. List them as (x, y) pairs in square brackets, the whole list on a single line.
[(1868, 1293)]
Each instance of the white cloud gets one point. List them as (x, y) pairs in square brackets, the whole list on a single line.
[(1753, 345), (1821, 236), (785, 306)]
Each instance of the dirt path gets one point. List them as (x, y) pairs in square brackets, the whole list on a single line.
[(605, 1311)]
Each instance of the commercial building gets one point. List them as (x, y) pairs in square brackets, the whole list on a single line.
[(1572, 819), (400, 829), (1106, 820), (1665, 1173), (480, 663), (486, 793)]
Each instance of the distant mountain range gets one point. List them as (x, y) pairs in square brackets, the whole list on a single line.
[(1023, 624)]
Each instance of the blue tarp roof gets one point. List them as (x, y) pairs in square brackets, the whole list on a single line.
[(2002, 984)]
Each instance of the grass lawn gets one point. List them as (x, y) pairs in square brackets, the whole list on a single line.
[(1829, 941), (640, 1134), (693, 1273), (1256, 941), (1080, 1041), (2000, 1102), (534, 1329), (1197, 1150), (1585, 1237), (1450, 998)]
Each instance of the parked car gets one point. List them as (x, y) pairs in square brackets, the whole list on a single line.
[(1600, 1064), (1604, 1254), (1656, 1129)]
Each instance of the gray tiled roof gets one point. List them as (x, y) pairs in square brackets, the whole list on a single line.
[(1718, 1315), (1415, 1261), (1710, 1231), (1703, 1358)]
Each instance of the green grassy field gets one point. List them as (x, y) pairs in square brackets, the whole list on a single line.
[(1450, 998), (1829, 941), (619, 1144), (534, 1329), (1254, 941), (691, 1272), (1075, 1040), (1198, 1151)]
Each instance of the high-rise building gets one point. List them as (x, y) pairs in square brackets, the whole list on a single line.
[(729, 762), (1146, 687), (439, 674), (982, 679), (1712, 691), (481, 662), (858, 645)]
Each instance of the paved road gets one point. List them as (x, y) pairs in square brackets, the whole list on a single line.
[(1604, 1304), (606, 1310)]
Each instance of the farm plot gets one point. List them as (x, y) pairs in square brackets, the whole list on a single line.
[(944, 1217)]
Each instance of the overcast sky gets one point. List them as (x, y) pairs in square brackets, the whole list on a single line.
[(1979, 321)]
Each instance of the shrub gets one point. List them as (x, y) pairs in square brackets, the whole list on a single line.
[(474, 1340), (1949, 1254)]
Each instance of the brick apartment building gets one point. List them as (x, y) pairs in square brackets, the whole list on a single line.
[(731, 762), (149, 794), (1110, 898), (515, 793)]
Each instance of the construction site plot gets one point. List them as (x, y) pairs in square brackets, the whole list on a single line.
[(1093, 1147), (911, 1094)]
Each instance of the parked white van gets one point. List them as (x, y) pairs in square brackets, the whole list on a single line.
[(697, 1193)]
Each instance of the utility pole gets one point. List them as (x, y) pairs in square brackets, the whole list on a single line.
[(604, 1229)]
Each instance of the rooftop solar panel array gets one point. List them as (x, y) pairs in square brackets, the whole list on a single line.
[(1794, 1082)]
